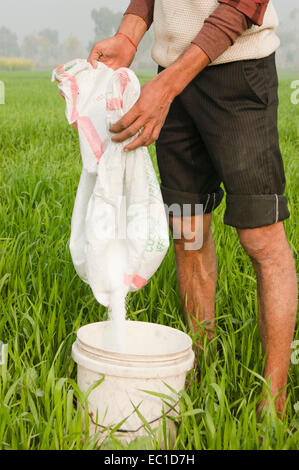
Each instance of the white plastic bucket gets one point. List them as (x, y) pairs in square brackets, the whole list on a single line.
[(155, 355)]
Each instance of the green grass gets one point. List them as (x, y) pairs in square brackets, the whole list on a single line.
[(43, 302)]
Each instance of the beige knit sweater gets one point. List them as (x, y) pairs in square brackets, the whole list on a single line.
[(177, 22)]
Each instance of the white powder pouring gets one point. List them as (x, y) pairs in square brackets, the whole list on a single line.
[(117, 262)]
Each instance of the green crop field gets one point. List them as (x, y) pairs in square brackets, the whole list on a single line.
[(43, 302)]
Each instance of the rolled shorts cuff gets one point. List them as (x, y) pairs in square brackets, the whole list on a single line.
[(251, 211), (209, 201)]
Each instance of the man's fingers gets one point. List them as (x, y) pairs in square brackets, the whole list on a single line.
[(126, 120), (92, 61), (94, 56), (129, 131), (154, 136), (141, 140)]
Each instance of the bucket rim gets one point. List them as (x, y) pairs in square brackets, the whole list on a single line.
[(152, 357), (137, 371)]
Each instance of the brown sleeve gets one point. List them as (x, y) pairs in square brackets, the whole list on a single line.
[(220, 30), (254, 9), (142, 8)]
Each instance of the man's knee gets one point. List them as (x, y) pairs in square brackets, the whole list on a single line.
[(190, 233), (263, 243)]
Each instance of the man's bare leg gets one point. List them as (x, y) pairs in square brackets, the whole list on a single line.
[(197, 272), (274, 265)]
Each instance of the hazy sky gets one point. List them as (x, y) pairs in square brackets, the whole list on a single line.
[(73, 16)]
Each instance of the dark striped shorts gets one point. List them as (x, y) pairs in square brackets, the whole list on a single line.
[(223, 129)]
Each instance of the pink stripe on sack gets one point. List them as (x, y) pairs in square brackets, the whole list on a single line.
[(124, 77), (86, 124), (92, 136), (135, 279), (75, 92), (113, 104), (59, 68), (139, 281)]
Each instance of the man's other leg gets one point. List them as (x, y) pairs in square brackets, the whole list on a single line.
[(274, 265)]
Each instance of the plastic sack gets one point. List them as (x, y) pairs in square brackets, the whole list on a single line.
[(119, 230)]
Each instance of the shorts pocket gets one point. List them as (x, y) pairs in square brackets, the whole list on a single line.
[(255, 74)]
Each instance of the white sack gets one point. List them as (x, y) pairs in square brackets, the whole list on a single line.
[(119, 231)]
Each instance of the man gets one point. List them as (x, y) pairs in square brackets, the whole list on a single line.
[(212, 110)]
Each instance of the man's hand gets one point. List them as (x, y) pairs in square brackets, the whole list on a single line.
[(149, 113), (115, 52), (118, 51), (156, 96)]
